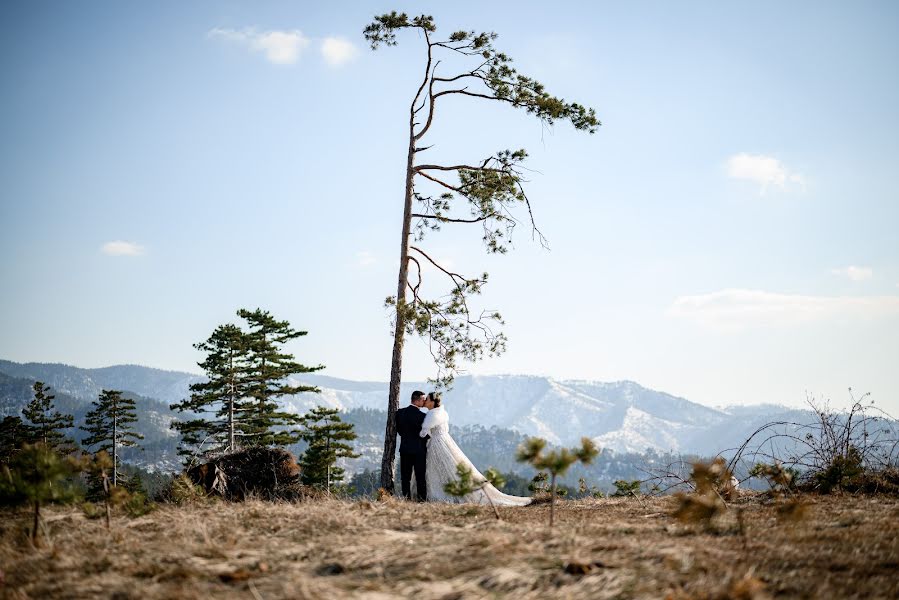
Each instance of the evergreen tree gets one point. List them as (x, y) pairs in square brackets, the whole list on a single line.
[(268, 366), (46, 424), (327, 437), (223, 395), (487, 193), (97, 469), (13, 433), (557, 462), (111, 425), (37, 475)]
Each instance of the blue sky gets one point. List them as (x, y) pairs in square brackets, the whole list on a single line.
[(728, 235)]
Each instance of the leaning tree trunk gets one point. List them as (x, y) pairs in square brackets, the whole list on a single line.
[(388, 460)]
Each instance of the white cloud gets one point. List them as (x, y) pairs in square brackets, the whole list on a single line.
[(855, 273), (365, 258), (737, 309), (279, 47), (338, 51), (120, 248), (763, 170)]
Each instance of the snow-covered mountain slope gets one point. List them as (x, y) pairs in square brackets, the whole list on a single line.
[(622, 416)]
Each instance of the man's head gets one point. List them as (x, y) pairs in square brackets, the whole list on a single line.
[(418, 398)]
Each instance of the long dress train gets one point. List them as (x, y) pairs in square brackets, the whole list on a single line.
[(443, 457)]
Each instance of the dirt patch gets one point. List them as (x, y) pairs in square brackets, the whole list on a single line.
[(843, 547)]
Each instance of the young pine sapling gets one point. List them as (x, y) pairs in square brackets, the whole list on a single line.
[(556, 462), (466, 484)]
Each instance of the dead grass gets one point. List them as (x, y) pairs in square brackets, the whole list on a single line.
[(844, 547)]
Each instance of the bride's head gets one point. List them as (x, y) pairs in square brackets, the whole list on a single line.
[(433, 400)]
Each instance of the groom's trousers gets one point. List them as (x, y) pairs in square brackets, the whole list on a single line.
[(416, 462)]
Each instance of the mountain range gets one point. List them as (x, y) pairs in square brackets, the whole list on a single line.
[(621, 416)]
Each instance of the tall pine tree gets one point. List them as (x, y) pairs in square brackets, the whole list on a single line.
[(110, 425), (221, 401), (267, 369), (487, 193), (46, 424), (327, 437)]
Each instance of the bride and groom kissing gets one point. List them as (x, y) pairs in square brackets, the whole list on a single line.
[(430, 455)]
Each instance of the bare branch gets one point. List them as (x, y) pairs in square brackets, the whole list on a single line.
[(417, 285), (534, 230), (449, 220), (455, 277), (458, 190), (424, 82), (465, 92), (431, 99), (483, 167)]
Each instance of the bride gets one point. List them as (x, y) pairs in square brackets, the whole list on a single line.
[(443, 457)]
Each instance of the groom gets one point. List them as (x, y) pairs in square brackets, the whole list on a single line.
[(413, 449)]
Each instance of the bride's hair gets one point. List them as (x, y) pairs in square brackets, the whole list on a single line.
[(435, 397)]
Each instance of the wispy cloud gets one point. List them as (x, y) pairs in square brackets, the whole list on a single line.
[(854, 273), (738, 309), (120, 248), (338, 51), (365, 258), (279, 47), (763, 170)]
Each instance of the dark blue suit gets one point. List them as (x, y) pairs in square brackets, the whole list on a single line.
[(413, 451)]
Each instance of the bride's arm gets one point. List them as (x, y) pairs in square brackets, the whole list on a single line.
[(427, 424)]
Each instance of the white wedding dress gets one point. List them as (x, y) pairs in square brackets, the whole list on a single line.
[(443, 457)]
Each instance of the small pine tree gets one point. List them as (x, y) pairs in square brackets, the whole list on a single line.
[(46, 424), (466, 484), (13, 433), (327, 437), (110, 425), (36, 475), (625, 488), (556, 462), (98, 468)]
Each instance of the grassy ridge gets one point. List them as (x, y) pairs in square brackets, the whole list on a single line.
[(845, 546)]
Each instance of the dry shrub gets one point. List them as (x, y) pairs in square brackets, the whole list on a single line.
[(789, 507), (885, 481), (181, 490), (856, 450), (712, 483)]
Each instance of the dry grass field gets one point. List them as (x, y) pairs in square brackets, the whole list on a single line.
[(843, 547)]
